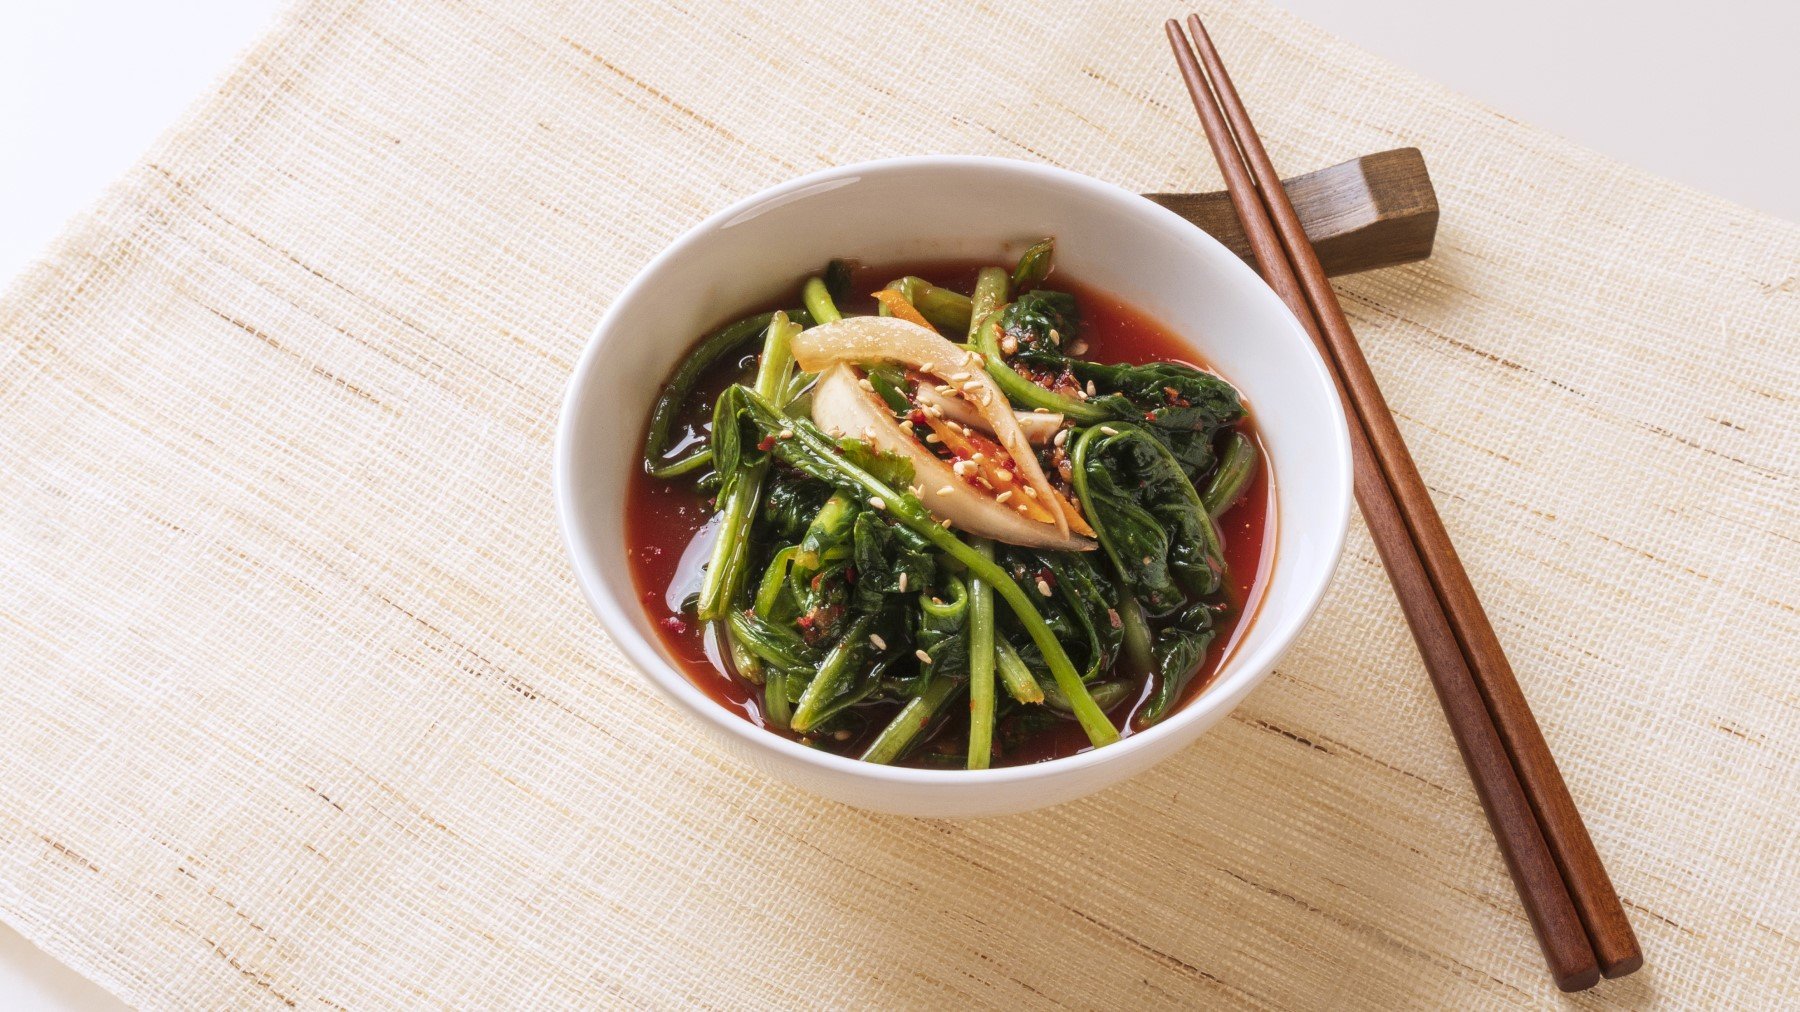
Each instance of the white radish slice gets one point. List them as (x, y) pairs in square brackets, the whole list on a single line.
[(1039, 426), (843, 408), (864, 339)]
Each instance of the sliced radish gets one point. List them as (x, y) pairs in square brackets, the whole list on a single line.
[(866, 339), (843, 408)]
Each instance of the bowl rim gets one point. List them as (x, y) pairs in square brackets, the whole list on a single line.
[(1239, 674)]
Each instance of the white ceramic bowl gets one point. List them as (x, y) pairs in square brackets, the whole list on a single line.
[(907, 208)]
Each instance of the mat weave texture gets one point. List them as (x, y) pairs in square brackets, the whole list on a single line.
[(303, 707)]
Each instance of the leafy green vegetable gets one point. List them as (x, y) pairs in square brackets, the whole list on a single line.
[(835, 590), (1079, 608), (943, 630), (680, 388), (742, 479), (889, 560), (1149, 518), (1236, 466), (843, 657), (1034, 265), (1042, 320), (1180, 647), (789, 507), (777, 645), (812, 452)]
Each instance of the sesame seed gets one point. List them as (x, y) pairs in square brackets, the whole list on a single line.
[(946, 490), (958, 377), (975, 359), (1002, 497), (1061, 437), (1055, 338), (1030, 493), (876, 502), (1043, 586), (1040, 411), (1108, 430), (903, 581), (865, 384), (1003, 475), (946, 389), (841, 734), (1009, 344), (944, 523), (879, 643), (869, 432), (924, 658), (977, 456), (927, 367), (1023, 509), (961, 467), (1078, 348), (1090, 389), (932, 437), (785, 434)]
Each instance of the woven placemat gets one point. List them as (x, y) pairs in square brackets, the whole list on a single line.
[(303, 708)]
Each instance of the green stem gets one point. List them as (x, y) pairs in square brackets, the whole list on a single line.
[(837, 663), (1016, 675), (725, 571), (1034, 265), (986, 339), (775, 698), (1236, 466), (943, 307), (981, 664), (1139, 661), (812, 451), (910, 722), (675, 393), (1106, 695), (817, 298), (990, 295)]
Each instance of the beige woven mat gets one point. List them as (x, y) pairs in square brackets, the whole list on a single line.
[(302, 706)]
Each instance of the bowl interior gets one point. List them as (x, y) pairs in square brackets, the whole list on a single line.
[(959, 207)]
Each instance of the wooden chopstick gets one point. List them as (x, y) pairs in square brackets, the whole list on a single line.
[(1567, 896), (1603, 916)]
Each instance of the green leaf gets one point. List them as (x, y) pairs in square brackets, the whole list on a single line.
[(1148, 515)]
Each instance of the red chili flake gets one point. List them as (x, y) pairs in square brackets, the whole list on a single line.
[(916, 418), (674, 625), (767, 444), (805, 621), (849, 574)]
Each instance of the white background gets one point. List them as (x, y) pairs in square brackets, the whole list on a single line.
[(1703, 94)]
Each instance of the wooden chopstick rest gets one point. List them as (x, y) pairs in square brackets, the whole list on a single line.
[(1375, 211)]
